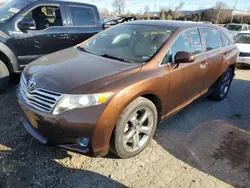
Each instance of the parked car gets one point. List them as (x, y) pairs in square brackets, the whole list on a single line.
[(111, 91), (242, 41), (206, 22), (30, 29), (234, 29)]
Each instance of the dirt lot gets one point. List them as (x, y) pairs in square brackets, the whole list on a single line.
[(205, 145)]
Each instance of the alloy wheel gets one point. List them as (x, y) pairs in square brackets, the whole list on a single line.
[(225, 84), (138, 129)]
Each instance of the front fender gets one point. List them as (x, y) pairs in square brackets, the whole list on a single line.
[(13, 63), (129, 92)]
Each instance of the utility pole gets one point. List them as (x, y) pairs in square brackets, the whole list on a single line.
[(218, 15), (232, 17), (242, 18)]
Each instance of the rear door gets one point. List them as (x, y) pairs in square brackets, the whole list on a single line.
[(187, 79), (84, 21), (215, 54)]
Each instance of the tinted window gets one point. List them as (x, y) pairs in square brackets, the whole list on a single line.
[(212, 39), (188, 41), (82, 16), (233, 27), (225, 40)]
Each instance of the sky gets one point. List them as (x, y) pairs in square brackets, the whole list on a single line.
[(138, 5)]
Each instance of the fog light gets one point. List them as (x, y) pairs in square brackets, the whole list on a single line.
[(84, 142)]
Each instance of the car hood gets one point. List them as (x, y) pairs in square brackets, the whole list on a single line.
[(243, 47), (69, 70)]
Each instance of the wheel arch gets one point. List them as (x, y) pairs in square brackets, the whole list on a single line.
[(9, 58), (233, 67), (106, 125), (157, 102)]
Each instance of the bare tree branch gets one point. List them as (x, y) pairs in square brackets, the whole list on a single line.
[(119, 6)]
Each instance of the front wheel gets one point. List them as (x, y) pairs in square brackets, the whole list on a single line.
[(135, 128), (4, 76), (223, 85)]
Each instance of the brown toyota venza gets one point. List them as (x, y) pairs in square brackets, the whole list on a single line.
[(111, 91)]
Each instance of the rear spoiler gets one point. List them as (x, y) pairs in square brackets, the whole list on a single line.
[(120, 20)]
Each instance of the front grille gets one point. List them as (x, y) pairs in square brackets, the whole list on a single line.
[(244, 54), (40, 99)]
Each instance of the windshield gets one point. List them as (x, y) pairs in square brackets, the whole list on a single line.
[(10, 8), (234, 27), (137, 43), (243, 38)]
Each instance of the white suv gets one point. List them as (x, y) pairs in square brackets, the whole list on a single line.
[(234, 29)]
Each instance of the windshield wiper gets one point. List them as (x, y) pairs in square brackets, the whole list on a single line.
[(116, 58), (81, 48)]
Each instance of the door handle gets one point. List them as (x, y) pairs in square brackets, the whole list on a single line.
[(203, 65), (64, 36)]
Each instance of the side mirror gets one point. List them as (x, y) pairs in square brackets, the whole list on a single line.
[(26, 24), (184, 57)]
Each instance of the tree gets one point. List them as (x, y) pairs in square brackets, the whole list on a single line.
[(128, 13), (177, 9), (163, 16), (119, 6), (104, 13), (169, 17), (219, 7), (146, 9), (147, 12), (163, 13)]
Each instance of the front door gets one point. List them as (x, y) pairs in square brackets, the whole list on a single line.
[(50, 34), (187, 79)]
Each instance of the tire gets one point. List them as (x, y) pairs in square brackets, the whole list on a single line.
[(223, 86), (239, 66), (4, 76), (131, 124)]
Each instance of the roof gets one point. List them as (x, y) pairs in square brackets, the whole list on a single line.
[(67, 1), (236, 24), (167, 23), (245, 32)]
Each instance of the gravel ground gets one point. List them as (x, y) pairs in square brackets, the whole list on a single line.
[(205, 145)]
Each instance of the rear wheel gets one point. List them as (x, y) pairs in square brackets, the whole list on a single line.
[(4, 76), (135, 128), (223, 85)]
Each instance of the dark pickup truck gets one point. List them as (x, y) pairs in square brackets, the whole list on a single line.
[(30, 29)]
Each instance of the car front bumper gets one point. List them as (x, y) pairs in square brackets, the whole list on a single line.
[(63, 130)]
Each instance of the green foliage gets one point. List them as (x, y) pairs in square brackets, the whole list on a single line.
[(128, 13), (169, 17)]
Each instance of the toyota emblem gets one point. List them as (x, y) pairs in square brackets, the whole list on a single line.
[(31, 84)]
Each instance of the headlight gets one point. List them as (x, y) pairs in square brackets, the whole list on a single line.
[(69, 102)]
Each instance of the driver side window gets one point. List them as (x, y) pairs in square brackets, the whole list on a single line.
[(45, 16), (188, 41)]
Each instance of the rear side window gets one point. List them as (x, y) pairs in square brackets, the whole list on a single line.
[(212, 38), (226, 41), (82, 16)]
